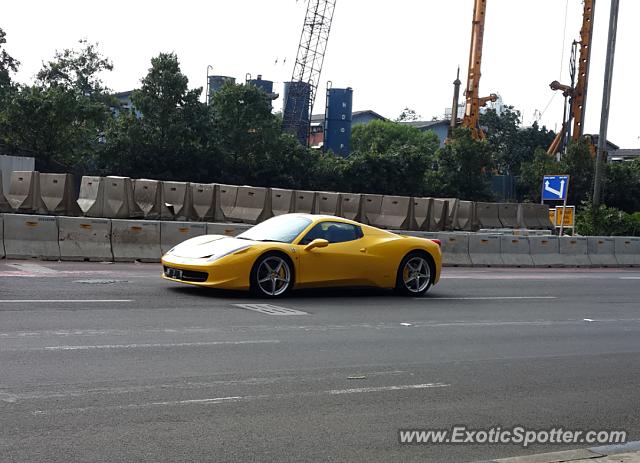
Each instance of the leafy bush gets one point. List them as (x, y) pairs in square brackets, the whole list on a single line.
[(606, 221)]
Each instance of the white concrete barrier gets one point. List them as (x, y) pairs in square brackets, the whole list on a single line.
[(172, 233), (253, 205), (58, 194), (515, 251), (328, 203), (281, 201), (91, 197), (304, 201), (147, 195), (4, 203), (225, 201), (574, 251), (27, 236), (601, 251), (455, 249), (2, 253), (24, 193), (203, 201), (421, 211), (395, 213), (228, 229), (438, 215), (351, 206), (545, 251), (484, 250), (135, 240), (119, 200), (627, 250), (84, 238), (176, 200)]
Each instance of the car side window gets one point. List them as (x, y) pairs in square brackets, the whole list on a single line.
[(333, 232)]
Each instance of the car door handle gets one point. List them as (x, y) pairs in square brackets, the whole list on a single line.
[(363, 249)]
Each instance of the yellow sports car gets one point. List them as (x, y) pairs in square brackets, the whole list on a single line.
[(306, 251)]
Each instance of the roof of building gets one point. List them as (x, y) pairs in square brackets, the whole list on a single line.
[(425, 124), (624, 154), (610, 146), (320, 117)]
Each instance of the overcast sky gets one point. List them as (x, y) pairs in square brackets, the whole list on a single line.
[(392, 53)]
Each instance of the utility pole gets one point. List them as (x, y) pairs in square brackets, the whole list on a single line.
[(606, 100), (454, 106)]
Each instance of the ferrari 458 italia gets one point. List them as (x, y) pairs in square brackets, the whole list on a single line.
[(306, 251)]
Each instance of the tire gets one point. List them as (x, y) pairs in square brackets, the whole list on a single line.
[(272, 275), (415, 274)]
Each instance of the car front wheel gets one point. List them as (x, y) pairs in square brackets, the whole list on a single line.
[(414, 274), (271, 276)]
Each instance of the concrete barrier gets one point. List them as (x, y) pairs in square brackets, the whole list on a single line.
[(627, 251), (24, 192), (203, 197), (515, 251), (574, 251), (438, 215), (119, 202), (135, 240), (452, 210), (281, 201), (421, 211), (395, 213), (172, 233), (351, 206), (225, 201), (2, 253), (601, 250), (484, 250), (371, 208), (228, 229), (147, 195), (465, 216), (508, 215), (488, 215), (534, 216), (31, 236), (455, 249), (4, 203), (545, 251), (304, 201), (83, 238), (175, 200), (91, 197), (328, 203), (58, 194), (253, 205)]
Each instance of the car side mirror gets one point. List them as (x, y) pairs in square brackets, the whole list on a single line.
[(317, 243)]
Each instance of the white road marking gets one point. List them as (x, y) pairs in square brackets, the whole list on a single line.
[(588, 319), (232, 399), (485, 298), (154, 345), (405, 387), (43, 301), (33, 268), (630, 278), (270, 309)]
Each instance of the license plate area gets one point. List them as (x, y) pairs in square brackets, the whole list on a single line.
[(174, 273)]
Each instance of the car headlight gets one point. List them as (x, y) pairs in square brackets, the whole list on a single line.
[(219, 256)]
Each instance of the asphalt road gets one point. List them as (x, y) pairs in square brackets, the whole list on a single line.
[(107, 362)]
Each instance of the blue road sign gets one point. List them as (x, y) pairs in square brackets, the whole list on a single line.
[(554, 187)]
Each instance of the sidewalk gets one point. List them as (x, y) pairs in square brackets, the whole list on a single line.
[(624, 453)]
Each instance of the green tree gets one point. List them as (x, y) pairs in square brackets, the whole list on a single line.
[(621, 187), (170, 140), (385, 137), (579, 163), (8, 65), (530, 180), (56, 119), (463, 167), (511, 144), (408, 115)]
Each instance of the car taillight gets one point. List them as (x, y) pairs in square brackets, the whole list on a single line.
[(438, 242)]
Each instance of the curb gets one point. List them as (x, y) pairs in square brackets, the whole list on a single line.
[(623, 453)]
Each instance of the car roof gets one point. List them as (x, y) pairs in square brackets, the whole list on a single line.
[(322, 217)]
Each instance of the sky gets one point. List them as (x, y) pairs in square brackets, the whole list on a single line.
[(394, 54)]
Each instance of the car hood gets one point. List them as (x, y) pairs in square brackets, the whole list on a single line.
[(210, 246)]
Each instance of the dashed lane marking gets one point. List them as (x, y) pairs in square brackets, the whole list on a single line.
[(44, 301), (484, 298), (270, 309)]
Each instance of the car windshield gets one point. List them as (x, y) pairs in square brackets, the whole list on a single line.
[(283, 229)]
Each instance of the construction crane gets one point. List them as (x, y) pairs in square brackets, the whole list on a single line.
[(300, 93), (473, 101), (576, 93)]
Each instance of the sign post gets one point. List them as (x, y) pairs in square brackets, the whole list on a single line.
[(555, 188)]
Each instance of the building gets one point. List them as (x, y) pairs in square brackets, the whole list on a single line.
[(316, 134), (621, 155), (124, 104), (440, 128)]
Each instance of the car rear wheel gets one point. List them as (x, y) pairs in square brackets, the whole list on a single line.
[(414, 274), (271, 276)]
